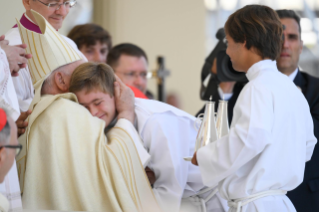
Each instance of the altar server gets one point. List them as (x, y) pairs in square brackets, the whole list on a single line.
[(54, 12), (271, 136)]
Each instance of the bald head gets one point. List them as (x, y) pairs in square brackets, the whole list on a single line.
[(59, 80)]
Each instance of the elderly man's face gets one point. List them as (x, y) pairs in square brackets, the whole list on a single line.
[(7, 155), (53, 16), (292, 47)]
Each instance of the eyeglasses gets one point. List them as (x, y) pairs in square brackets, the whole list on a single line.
[(57, 6), (133, 74), (17, 147)]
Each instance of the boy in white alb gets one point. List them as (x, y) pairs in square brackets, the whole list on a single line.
[(271, 135)]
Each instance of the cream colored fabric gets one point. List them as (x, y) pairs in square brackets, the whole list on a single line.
[(4, 204), (69, 166), (49, 49)]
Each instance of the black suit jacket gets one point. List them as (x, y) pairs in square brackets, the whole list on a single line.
[(306, 196)]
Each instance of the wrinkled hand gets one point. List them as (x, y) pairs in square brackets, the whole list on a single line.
[(150, 174), (21, 123), (124, 100), (16, 56), (194, 159)]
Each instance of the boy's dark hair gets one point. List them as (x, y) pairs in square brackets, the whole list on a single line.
[(126, 49), (259, 26), (91, 76), (89, 34), (289, 14)]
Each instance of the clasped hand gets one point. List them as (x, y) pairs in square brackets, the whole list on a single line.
[(16, 56)]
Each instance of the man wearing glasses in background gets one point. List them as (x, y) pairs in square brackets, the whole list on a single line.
[(9, 148), (130, 64), (54, 12)]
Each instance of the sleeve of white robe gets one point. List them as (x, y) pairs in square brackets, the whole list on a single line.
[(167, 147), (248, 136), (8, 97)]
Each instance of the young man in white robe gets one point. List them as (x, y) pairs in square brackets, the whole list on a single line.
[(168, 135), (271, 136)]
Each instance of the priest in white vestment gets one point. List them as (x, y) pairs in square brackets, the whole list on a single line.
[(168, 135), (23, 83), (67, 163), (271, 136)]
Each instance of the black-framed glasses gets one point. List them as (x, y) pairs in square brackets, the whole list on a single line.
[(57, 6), (17, 147)]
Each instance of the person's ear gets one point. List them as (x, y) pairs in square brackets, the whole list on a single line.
[(3, 156), (60, 82), (26, 4)]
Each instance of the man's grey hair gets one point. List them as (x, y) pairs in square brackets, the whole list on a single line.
[(49, 81), (6, 131)]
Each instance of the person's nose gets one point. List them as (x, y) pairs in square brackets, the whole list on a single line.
[(98, 57), (286, 42), (93, 110), (139, 81), (63, 10)]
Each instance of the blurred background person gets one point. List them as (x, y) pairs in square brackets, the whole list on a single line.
[(130, 64), (9, 148), (93, 41), (305, 196)]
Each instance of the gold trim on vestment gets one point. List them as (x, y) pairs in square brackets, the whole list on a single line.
[(35, 65), (134, 200), (127, 162), (133, 174), (45, 58), (35, 48), (139, 160), (61, 43), (72, 50)]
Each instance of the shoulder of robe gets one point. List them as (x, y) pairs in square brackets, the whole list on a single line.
[(70, 41)]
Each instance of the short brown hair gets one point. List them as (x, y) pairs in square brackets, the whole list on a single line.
[(124, 49), (259, 26), (91, 76), (89, 34), (289, 14)]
